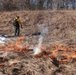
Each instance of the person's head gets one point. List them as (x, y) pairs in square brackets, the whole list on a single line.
[(17, 17)]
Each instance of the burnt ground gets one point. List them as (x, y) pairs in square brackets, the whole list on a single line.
[(61, 30)]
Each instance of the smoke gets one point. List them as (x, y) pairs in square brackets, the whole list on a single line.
[(44, 30), (2, 39)]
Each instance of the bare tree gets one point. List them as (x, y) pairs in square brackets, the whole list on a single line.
[(58, 4), (16, 4), (8, 5), (67, 2), (63, 3), (73, 4), (36, 4), (40, 4), (50, 4)]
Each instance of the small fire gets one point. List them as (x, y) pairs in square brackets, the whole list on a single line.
[(16, 46), (44, 30), (63, 53), (37, 50)]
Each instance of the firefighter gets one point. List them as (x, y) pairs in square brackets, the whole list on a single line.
[(17, 25)]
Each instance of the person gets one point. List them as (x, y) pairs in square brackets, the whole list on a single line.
[(17, 25)]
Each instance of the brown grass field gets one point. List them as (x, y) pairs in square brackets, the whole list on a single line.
[(61, 31)]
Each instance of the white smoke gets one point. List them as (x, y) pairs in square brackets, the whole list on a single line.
[(2, 39), (44, 30), (37, 50), (40, 40)]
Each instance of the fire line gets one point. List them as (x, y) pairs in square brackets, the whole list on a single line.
[(64, 54)]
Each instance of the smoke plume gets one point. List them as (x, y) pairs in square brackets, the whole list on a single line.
[(44, 30)]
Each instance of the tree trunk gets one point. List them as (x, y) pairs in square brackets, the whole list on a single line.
[(40, 4), (67, 5), (73, 4), (58, 6), (51, 4), (63, 5)]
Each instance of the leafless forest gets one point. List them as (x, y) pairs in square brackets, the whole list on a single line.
[(9, 5)]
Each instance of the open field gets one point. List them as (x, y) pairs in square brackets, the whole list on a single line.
[(61, 33)]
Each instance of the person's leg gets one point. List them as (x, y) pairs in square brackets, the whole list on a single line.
[(18, 31), (15, 31)]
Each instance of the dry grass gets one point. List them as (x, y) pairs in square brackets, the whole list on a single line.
[(62, 30)]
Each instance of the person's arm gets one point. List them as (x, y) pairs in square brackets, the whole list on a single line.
[(20, 22)]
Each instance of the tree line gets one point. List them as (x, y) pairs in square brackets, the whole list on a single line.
[(9, 5)]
